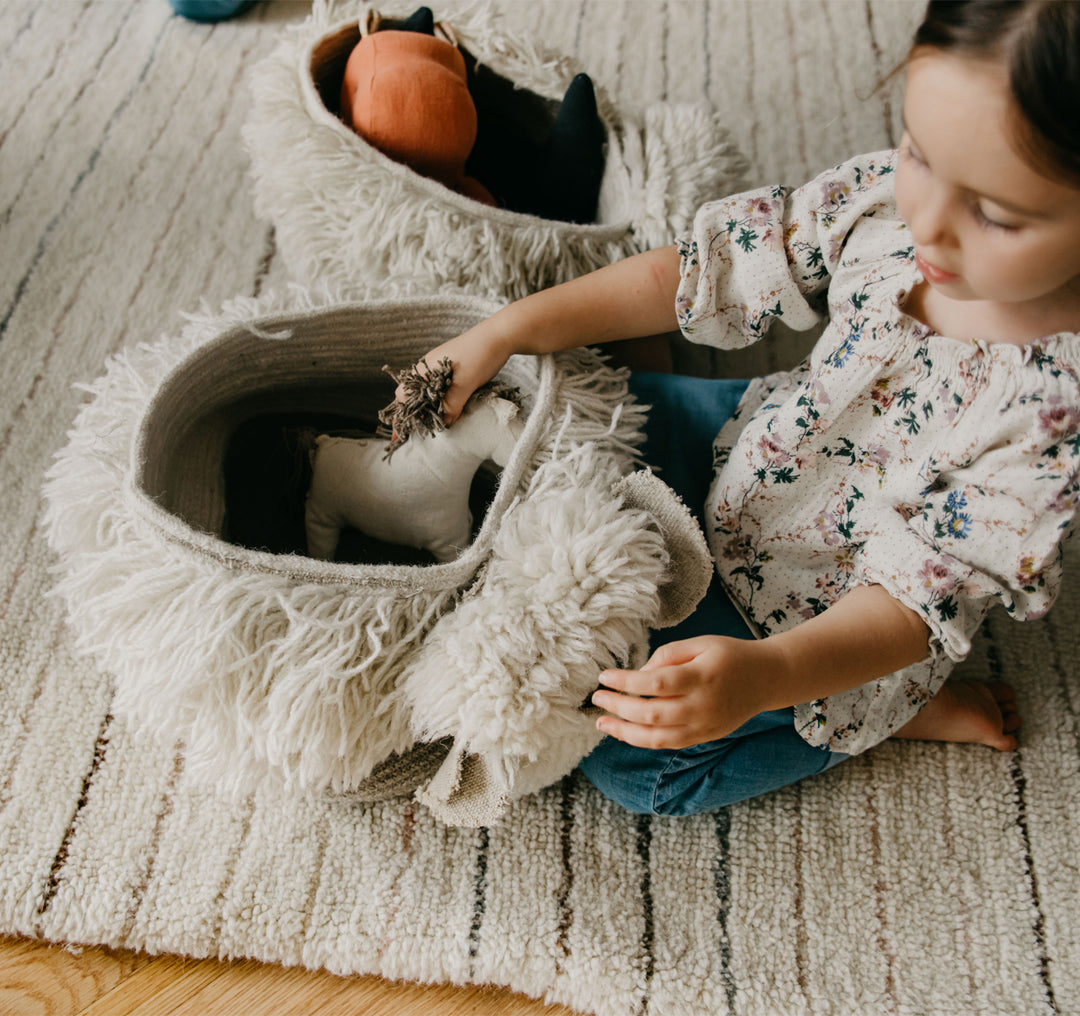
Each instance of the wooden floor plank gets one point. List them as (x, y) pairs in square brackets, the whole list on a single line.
[(40, 979), (163, 985)]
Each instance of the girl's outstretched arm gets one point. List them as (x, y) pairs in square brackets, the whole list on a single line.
[(629, 299), (703, 688)]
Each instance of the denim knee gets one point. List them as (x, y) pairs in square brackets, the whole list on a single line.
[(625, 774), (766, 753)]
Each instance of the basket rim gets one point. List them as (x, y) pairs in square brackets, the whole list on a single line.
[(606, 232), (167, 526)]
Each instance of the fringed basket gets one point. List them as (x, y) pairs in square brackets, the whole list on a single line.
[(346, 216), (173, 511)]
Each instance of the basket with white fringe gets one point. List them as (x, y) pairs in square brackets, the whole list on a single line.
[(464, 681), (346, 216)]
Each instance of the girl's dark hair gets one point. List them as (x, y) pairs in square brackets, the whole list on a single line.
[(1039, 42)]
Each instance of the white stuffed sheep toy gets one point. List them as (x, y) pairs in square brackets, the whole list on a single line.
[(410, 492)]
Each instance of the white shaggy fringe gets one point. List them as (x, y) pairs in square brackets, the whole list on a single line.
[(572, 577), (344, 212), (271, 666)]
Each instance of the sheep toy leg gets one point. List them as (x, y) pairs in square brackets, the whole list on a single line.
[(322, 521)]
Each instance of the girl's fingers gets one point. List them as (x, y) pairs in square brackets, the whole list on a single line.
[(645, 737), (450, 412), (650, 712), (672, 654), (659, 683)]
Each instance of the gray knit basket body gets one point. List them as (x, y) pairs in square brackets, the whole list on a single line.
[(466, 682), (347, 217)]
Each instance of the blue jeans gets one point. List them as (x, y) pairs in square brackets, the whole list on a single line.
[(766, 752)]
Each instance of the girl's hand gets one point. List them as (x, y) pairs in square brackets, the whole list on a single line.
[(477, 356), (632, 298), (689, 692), (704, 688)]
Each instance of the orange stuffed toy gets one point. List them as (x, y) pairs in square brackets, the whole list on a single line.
[(405, 93)]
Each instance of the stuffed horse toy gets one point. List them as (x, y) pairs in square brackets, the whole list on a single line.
[(414, 493)]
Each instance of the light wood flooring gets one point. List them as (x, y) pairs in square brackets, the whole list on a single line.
[(37, 979)]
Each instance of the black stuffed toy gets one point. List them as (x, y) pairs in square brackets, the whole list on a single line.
[(531, 154)]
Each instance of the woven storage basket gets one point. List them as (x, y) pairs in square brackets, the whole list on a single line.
[(346, 216), (358, 679)]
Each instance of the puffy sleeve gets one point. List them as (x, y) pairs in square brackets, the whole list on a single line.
[(990, 532), (771, 253)]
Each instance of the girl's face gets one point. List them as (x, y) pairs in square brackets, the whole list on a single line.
[(986, 225)]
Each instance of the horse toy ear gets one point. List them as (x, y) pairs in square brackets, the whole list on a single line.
[(419, 411), (506, 409)]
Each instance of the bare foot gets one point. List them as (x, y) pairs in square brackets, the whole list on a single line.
[(970, 712)]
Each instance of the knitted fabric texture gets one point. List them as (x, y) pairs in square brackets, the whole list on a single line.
[(321, 674), (347, 216)]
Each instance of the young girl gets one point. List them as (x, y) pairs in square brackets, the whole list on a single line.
[(868, 507)]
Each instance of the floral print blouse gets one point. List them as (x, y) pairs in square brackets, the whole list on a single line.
[(943, 470)]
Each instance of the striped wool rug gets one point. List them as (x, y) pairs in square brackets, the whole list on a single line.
[(917, 879)]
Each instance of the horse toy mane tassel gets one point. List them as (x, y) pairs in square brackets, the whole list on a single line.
[(419, 412)]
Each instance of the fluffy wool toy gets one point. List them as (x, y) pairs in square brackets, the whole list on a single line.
[(410, 492), (406, 93), (418, 99)]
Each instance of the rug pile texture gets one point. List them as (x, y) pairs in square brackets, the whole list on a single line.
[(917, 879)]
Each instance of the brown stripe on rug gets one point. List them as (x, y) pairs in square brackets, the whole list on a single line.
[(161, 816), (28, 549), (262, 269), (14, 749), (791, 32), (405, 842), (245, 811), (883, 70), (76, 34), (564, 908), (479, 896), (881, 888), (1019, 782), (148, 268), (722, 883), (643, 846), (1038, 925), (43, 239), (52, 882), (579, 22), (19, 32), (662, 49), (802, 934), (1070, 690)]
